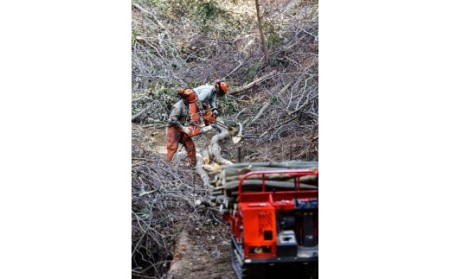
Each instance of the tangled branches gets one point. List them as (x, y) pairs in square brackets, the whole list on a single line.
[(170, 49), (285, 108), (152, 107), (163, 204), (155, 55)]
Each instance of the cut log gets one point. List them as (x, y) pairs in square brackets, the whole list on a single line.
[(269, 183), (199, 168), (308, 179), (214, 147), (227, 181)]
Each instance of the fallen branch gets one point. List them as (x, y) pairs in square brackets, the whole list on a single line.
[(237, 67), (251, 84), (214, 148), (266, 105), (147, 12), (200, 170), (260, 112), (141, 112), (181, 247)]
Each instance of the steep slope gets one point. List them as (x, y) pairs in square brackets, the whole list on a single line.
[(179, 43)]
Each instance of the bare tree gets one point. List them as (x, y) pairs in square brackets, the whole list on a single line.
[(261, 33)]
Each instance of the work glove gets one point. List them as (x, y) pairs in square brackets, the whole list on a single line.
[(186, 130), (215, 112)]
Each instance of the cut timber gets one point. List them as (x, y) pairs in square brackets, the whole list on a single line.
[(200, 170), (212, 168), (251, 84), (224, 191), (238, 137), (269, 184), (214, 147), (308, 179), (284, 164), (181, 247), (242, 168), (205, 156), (210, 160)]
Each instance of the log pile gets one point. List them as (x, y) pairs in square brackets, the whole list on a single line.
[(224, 186)]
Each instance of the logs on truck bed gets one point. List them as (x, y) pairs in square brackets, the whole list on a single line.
[(224, 186)]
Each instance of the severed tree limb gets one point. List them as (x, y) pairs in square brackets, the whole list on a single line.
[(199, 168), (181, 247), (266, 105), (251, 84), (149, 13), (282, 124), (302, 106), (141, 112), (260, 112), (235, 69), (239, 113), (214, 148), (290, 119), (207, 159)]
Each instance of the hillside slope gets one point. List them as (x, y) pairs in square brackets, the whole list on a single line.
[(179, 43)]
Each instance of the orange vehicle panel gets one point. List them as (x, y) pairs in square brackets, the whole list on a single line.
[(259, 229)]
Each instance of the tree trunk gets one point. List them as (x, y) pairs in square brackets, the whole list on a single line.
[(214, 148), (261, 33)]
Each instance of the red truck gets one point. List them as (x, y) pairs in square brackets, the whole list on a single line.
[(274, 225)]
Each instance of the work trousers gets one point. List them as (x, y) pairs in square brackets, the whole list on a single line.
[(174, 137)]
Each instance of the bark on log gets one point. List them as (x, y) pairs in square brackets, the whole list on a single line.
[(242, 168), (226, 186), (271, 183), (214, 147), (234, 194), (308, 179), (285, 164), (203, 175), (210, 159), (182, 245)]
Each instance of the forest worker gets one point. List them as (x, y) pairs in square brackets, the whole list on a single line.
[(184, 112), (207, 97)]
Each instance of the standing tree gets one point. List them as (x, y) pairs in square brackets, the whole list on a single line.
[(261, 33)]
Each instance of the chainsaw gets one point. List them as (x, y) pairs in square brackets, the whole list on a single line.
[(212, 118)]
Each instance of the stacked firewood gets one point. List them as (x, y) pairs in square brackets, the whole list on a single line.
[(224, 186)]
